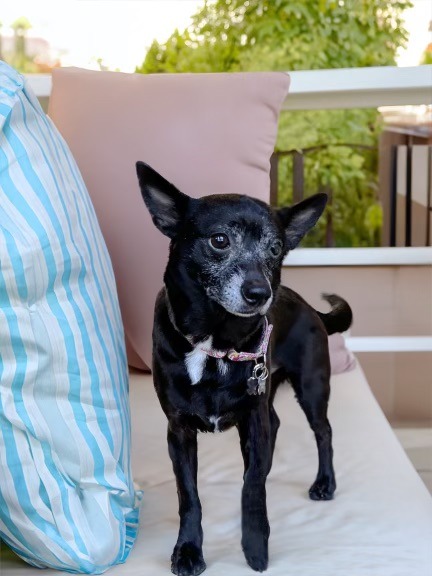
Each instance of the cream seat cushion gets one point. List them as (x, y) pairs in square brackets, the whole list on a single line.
[(379, 523)]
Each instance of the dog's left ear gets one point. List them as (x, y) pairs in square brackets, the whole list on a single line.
[(300, 218), (166, 204)]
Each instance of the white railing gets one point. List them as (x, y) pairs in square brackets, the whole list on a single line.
[(389, 343), (41, 84), (338, 88), (349, 88), (397, 256), (359, 87)]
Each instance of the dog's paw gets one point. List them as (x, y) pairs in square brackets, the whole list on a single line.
[(258, 562), (322, 489), (256, 554), (187, 560)]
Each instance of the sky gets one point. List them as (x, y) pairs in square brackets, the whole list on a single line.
[(417, 20), (120, 31)]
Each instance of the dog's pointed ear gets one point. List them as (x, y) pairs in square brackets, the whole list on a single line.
[(166, 204), (300, 218)]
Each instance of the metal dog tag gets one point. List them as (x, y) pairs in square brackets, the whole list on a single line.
[(261, 385), (256, 384), (252, 386)]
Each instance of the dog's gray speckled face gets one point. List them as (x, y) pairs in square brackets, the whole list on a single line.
[(236, 253), (232, 245)]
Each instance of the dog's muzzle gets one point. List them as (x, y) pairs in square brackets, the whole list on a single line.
[(256, 292)]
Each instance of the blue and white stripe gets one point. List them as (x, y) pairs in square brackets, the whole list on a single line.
[(66, 495)]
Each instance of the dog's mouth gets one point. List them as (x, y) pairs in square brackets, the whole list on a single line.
[(246, 310), (244, 297)]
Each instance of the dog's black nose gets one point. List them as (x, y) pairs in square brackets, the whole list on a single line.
[(255, 291)]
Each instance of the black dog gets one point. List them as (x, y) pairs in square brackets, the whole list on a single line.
[(212, 322)]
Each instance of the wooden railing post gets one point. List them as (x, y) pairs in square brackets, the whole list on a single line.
[(298, 176), (274, 178), (329, 232)]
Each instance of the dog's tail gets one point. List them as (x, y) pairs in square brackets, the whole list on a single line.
[(340, 317)]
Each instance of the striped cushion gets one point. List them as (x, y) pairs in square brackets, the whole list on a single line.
[(66, 495)]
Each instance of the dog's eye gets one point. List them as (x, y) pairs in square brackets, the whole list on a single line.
[(219, 241), (276, 249)]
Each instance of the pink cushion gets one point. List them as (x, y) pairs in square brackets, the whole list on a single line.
[(341, 359), (207, 133)]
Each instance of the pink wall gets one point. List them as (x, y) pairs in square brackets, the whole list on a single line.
[(386, 301)]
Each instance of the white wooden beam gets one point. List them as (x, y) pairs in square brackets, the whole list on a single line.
[(389, 343), (337, 88), (359, 87), (41, 84), (360, 257)]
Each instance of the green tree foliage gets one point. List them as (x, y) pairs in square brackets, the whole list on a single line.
[(249, 35), (20, 60), (427, 55)]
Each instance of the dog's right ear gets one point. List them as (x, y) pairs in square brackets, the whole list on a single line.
[(301, 217), (166, 204)]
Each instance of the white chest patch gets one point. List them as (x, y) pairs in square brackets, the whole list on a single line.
[(215, 421), (222, 366), (196, 359)]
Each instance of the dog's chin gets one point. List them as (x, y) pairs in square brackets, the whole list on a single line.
[(242, 314)]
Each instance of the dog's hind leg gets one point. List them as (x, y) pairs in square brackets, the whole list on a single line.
[(187, 558), (256, 443), (313, 391)]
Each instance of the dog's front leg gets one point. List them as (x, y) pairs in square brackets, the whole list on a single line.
[(255, 441), (187, 558)]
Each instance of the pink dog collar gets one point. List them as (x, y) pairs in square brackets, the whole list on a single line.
[(245, 356)]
